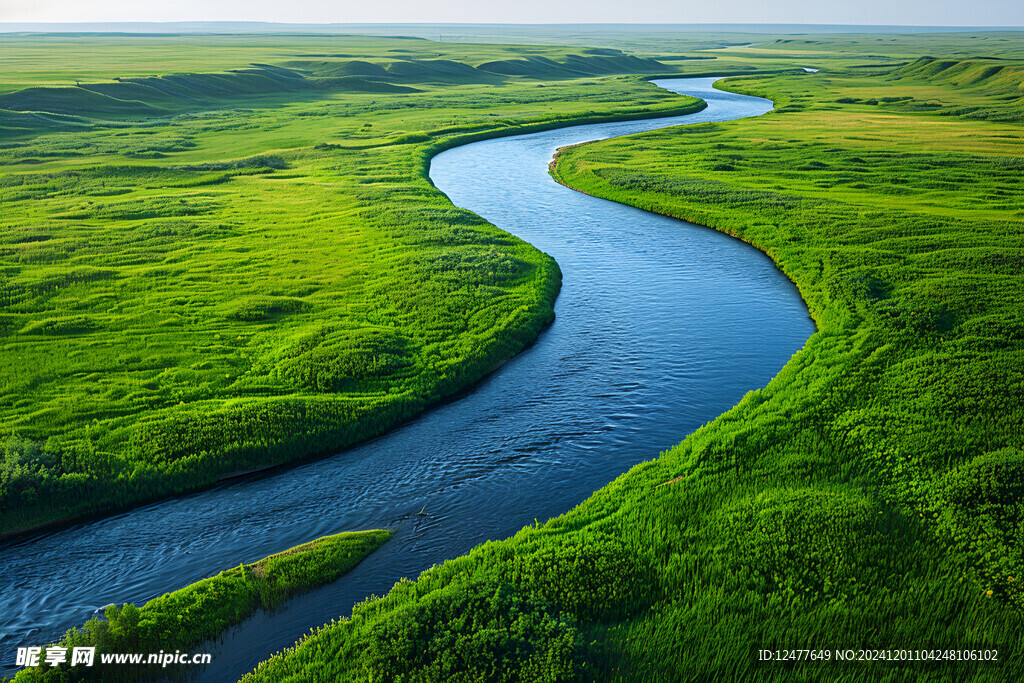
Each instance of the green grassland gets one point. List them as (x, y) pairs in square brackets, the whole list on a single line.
[(188, 617), (203, 274), (868, 497)]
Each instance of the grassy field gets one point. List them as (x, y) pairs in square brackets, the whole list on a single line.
[(186, 618), (870, 496), (203, 274)]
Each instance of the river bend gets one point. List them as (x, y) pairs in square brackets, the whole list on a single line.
[(661, 325)]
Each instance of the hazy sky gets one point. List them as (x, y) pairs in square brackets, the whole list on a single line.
[(899, 12)]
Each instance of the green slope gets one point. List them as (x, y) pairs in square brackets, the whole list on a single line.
[(999, 82)]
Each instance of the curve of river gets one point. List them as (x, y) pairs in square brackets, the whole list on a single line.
[(661, 325)]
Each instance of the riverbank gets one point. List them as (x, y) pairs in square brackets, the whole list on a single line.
[(184, 619)]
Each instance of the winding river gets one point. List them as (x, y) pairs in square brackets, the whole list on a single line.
[(661, 325)]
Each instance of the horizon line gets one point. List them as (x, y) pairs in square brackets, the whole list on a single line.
[(500, 24)]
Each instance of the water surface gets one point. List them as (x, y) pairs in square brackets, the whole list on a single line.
[(661, 325)]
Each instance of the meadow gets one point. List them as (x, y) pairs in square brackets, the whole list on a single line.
[(869, 497), (184, 619), (206, 274)]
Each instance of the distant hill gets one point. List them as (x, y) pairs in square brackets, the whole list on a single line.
[(222, 27)]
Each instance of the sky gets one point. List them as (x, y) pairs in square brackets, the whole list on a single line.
[(867, 12)]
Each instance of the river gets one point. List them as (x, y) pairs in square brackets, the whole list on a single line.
[(661, 325)]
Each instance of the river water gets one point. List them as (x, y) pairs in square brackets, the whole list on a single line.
[(661, 325)]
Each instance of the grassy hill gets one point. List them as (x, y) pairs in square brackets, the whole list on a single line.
[(997, 85), (135, 97)]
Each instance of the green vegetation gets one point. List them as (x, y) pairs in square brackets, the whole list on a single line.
[(202, 611), (205, 274), (869, 496)]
